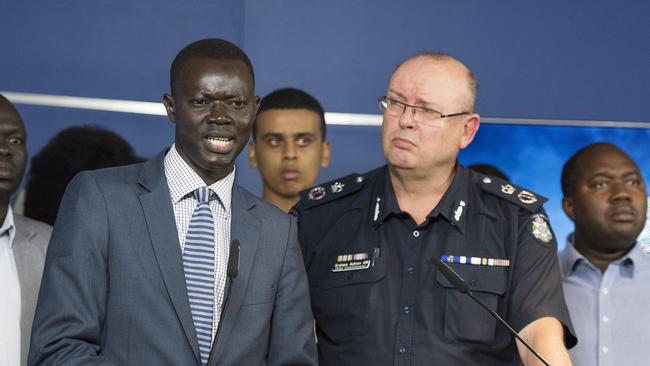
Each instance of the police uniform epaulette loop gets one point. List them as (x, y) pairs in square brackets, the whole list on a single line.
[(332, 190), (512, 193)]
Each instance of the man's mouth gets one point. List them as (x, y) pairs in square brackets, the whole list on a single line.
[(220, 144), (6, 171), (623, 215), (290, 174)]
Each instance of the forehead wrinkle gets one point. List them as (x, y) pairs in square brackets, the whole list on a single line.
[(418, 101)]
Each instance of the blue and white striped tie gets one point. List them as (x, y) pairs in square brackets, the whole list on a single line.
[(198, 263)]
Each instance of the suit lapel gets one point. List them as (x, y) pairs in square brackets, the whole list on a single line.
[(29, 259), (245, 228), (159, 215)]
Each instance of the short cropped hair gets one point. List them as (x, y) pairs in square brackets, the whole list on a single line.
[(292, 98), (6, 102), (211, 48), (472, 84), (568, 179)]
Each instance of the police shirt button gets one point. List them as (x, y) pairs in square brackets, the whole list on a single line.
[(402, 350), (410, 270), (416, 233), (407, 310)]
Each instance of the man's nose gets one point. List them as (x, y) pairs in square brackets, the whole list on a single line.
[(4, 148), (620, 190), (289, 151), (219, 112), (407, 119)]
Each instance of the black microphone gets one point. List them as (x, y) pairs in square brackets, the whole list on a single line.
[(233, 261), (232, 272), (463, 287)]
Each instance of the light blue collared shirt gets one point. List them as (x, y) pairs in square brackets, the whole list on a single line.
[(610, 311)]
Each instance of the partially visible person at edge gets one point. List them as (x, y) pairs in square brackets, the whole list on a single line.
[(23, 243), (605, 270), (288, 145), (369, 240)]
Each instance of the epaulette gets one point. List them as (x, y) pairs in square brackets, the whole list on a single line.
[(512, 193), (332, 190)]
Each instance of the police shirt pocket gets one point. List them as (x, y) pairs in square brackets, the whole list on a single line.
[(464, 318), (342, 301)]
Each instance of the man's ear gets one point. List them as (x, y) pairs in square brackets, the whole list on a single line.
[(469, 131), (252, 160), (257, 103), (567, 206), (168, 101), (325, 154)]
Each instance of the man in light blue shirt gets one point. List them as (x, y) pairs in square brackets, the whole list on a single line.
[(605, 271)]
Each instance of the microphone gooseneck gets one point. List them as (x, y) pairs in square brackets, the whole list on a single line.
[(463, 287)]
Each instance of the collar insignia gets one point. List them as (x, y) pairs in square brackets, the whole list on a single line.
[(459, 211)]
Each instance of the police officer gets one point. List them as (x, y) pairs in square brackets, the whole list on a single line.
[(369, 239)]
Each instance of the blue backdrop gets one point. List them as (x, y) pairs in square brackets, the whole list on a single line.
[(556, 60)]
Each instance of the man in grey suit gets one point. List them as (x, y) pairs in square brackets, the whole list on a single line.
[(119, 287), (23, 243)]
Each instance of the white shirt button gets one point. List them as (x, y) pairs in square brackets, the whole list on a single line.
[(416, 233), (605, 291), (605, 349), (605, 319)]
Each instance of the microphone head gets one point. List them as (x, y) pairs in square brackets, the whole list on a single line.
[(451, 275), (233, 259)]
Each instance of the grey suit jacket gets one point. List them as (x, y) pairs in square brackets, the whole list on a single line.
[(113, 290), (30, 245)]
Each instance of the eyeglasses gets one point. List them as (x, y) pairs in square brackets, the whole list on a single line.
[(422, 115)]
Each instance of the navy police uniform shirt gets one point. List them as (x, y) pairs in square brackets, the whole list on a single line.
[(378, 300)]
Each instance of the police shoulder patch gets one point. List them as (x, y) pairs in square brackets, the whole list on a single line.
[(332, 190), (512, 193), (540, 229)]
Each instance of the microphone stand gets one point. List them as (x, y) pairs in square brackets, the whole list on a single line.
[(463, 287)]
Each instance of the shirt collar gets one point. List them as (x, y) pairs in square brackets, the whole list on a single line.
[(8, 227), (570, 257), (183, 180), (452, 206)]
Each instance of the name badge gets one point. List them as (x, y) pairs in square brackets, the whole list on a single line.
[(354, 262)]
